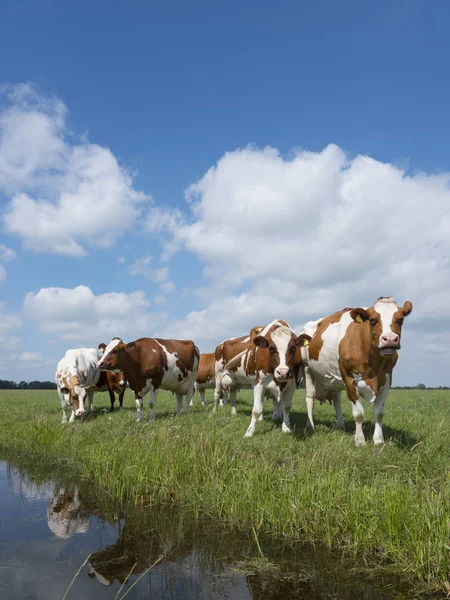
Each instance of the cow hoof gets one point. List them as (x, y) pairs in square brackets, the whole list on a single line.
[(261, 417), (285, 428), (378, 442), (276, 417), (360, 441), (233, 411), (248, 434), (340, 425)]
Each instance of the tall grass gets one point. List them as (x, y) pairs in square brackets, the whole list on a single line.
[(389, 505)]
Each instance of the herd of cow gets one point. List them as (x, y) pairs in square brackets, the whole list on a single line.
[(354, 349)]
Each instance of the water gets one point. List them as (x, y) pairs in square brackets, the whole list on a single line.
[(49, 527)]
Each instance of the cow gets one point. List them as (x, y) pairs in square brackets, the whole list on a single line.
[(205, 376), (354, 350), (224, 353), (111, 382), (151, 364), (66, 515), (273, 362), (76, 377)]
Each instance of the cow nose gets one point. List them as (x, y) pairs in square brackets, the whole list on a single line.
[(79, 412), (390, 339), (283, 373)]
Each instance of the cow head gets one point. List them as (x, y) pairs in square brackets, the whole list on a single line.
[(281, 351), (385, 319), (77, 394), (111, 357)]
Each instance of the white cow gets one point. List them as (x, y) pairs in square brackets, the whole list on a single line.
[(76, 376)]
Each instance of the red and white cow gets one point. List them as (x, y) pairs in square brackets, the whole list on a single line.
[(205, 376), (76, 377), (272, 362), (224, 353), (151, 364), (111, 382), (354, 350)]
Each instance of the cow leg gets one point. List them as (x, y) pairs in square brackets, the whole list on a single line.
[(276, 410), (72, 417), (224, 398), (286, 404), (112, 399), (233, 398), (217, 394), (139, 402), (90, 398), (258, 392), (337, 401), (310, 390), (63, 406), (378, 411), (152, 404), (121, 395), (357, 409), (202, 397)]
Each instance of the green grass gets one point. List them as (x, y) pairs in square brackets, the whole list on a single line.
[(389, 505)]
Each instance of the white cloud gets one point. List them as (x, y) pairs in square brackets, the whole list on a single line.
[(6, 254), (142, 267), (168, 287), (121, 260), (8, 321), (80, 316), (306, 235), (65, 194), (33, 357)]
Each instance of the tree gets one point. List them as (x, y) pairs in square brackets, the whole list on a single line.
[(421, 386)]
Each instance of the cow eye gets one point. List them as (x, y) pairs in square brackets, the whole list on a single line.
[(292, 349), (272, 350), (373, 321), (400, 321)]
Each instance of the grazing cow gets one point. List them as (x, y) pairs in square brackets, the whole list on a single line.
[(76, 377), (65, 514), (355, 350), (205, 376), (151, 364), (111, 382), (273, 361), (224, 353)]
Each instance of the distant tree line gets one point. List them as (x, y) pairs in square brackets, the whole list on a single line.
[(420, 386), (27, 385)]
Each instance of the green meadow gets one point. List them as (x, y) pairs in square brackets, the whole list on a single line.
[(388, 507)]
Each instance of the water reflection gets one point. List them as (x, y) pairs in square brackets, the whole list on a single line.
[(65, 514), (197, 559)]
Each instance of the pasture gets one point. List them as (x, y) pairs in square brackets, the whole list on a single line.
[(387, 507)]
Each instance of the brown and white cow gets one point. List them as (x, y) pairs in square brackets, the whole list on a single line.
[(224, 353), (111, 382), (76, 378), (151, 364), (205, 376), (355, 350), (273, 362)]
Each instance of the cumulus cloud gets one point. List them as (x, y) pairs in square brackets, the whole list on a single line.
[(8, 321), (78, 315), (6, 254), (65, 193), (301, 236), (142, 267), (31, 357)]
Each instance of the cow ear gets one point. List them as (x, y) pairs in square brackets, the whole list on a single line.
[(359, 315), (261, 342), (303, 339), (102, 347), (64, 390), (406, 308)]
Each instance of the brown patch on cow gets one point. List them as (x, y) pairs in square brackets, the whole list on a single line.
[(316, 343), (206, 368)]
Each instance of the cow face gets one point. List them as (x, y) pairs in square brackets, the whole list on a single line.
[(77, 394), (282, 352), (385, 318), (110, 359)]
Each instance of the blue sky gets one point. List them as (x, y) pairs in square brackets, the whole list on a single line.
[(127, 106)]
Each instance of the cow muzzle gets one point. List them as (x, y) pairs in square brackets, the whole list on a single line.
[(389, 344), (79, 412), (282, 373)]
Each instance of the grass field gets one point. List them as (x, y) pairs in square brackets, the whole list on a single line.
[(388, 505)]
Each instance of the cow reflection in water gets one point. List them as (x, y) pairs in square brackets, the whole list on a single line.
[(134, 552), (66, 515)]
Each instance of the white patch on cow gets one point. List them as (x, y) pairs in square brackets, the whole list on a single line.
[(326, 370), (281, 337), (153, 350), (386, 307), (112, 344), (364, 390)]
